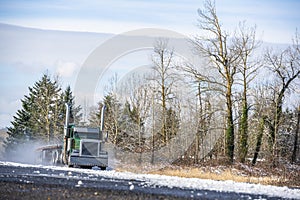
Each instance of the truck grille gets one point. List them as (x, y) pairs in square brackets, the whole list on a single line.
[(89, 148)]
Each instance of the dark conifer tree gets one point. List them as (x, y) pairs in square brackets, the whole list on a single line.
[(42, 114)]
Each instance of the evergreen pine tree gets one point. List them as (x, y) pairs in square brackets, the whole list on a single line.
[(18, 133), (172, 123), (45, 111), (75, 115), (42, 114), (95, 115)]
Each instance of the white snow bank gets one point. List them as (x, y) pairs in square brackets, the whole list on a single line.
[(189, 183)]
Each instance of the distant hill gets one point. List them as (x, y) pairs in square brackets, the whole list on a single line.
[(27, 53)]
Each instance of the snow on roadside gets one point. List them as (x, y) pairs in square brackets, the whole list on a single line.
[(188, 183)]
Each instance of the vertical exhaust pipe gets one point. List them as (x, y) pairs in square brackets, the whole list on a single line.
[(67, 119), (102, 117), (65, 147)]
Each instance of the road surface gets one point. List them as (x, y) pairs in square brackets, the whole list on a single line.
[(42, 182)]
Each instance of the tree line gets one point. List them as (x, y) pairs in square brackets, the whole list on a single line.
[(233, 106), (226, 95)]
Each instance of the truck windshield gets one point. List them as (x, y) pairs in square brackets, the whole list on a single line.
[(80, 135)]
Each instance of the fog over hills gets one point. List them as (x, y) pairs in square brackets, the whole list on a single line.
[(27, 53)]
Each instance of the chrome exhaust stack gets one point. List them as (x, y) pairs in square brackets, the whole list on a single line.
[(66, 132), (67, 119), (102, 117)]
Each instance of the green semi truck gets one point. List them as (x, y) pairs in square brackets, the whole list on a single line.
[(82, 146)]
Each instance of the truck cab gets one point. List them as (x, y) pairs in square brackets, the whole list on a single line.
[(84, 147)]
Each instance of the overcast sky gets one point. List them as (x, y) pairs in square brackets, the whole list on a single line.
[(25, 57), (277, 19)]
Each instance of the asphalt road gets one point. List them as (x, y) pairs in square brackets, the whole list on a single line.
[(46, 183)]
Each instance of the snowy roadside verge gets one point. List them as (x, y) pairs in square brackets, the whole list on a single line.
[(185, 183)]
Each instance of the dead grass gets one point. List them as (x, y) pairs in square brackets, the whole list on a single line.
[(217, 175), (237, 173)]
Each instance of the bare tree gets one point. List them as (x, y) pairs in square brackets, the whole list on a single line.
[(246, 43), (113, 110), (262, 104), (164, 78), (140, 101), (295, 146), (224, 55), (286, 67)]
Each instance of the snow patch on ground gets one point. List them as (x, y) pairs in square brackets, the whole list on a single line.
[(172, 181)]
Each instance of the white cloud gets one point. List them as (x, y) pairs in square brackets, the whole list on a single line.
[(66, 69), (28, 53)]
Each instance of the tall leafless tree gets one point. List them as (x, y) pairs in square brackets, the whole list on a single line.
[(245, 39), (286, 67), (224, 55), (164, 78)]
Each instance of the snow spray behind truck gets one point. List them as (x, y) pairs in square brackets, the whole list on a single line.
[(82, 146)]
